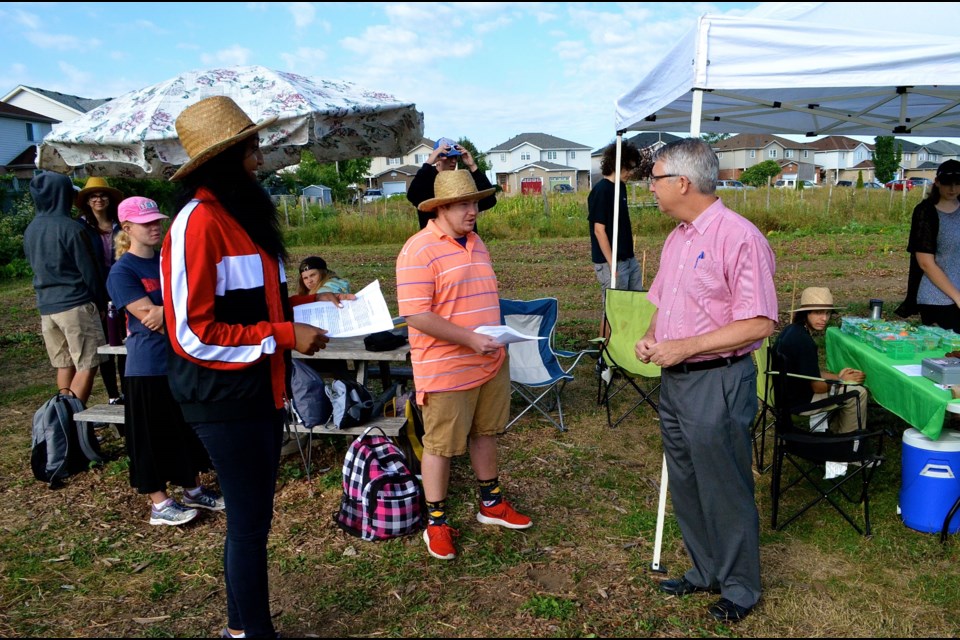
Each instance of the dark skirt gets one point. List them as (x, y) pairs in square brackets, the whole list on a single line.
[(162, 447)]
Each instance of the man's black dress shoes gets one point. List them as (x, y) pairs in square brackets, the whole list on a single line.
[(727, 611), (681, 587)]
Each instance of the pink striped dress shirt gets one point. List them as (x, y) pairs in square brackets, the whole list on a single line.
[(713, 271)]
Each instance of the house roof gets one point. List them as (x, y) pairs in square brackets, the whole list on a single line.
[(407, 170), (757, 141), (944, 148), (546, 166), (10, 111), (866, 164), (907, 145), (643, 140), (78, 104), (838, 143), (541, 141), (26, 158)]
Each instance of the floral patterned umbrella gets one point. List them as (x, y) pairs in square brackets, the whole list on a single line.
[(133, 136)]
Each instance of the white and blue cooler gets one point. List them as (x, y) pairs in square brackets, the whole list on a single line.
[(930, 480)]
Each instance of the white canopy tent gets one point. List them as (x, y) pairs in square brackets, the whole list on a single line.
[(807, 68)]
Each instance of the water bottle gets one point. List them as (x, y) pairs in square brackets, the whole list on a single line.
[(114, 330), (876, 309)]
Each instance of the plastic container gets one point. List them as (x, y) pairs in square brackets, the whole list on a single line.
[(930, 482), (950, 341)]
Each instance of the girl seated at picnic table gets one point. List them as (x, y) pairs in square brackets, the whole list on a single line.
[(795, 343), (315, 279)]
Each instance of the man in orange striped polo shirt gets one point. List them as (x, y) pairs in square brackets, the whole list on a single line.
[(446, 288)]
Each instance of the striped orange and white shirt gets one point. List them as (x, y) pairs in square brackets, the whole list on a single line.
[(435, 273)]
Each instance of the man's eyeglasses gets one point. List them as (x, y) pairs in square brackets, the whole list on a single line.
[(654, 178)]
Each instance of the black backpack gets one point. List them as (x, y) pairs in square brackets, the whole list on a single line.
[(61, 446)]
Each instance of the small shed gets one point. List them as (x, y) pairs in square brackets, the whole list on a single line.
[(318, 194)]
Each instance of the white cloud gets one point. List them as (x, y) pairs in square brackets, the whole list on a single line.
[(303, 14), (61, 42), (28, 20), (235, 55), (304, 60)]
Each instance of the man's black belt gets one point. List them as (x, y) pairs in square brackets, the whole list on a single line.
[(703, 365)]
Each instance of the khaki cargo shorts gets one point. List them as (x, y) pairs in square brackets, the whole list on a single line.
[(72, 337), (451, 417)]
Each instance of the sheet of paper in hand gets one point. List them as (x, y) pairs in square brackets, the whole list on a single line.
[(367, 314), (504, 334)]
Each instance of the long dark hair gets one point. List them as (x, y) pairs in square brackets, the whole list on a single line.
[(238, 193)]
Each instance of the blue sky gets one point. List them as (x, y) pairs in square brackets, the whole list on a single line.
[(486, 71)]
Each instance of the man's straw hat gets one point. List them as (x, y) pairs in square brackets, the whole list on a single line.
[(97, 185), (815, 299), (208, 127), (454, 186)]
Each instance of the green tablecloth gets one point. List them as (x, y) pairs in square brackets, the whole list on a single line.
[(916, 399)]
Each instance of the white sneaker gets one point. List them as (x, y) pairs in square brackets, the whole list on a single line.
[(171, 513)]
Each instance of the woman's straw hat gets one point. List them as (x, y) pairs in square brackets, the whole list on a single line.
[(94, 185), (208, 127), (454, 186), (815, 299)]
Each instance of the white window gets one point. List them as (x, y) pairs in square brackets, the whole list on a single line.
[(771, 153), (806, 154), (788, 153), (33, 132), (719, 154), (573, 155), (551, 155), (921, 157), (858, 156), (394, 161), (503, 157), (420, 158), (525, 155), (843, 156), (906, 157), (753, 153)]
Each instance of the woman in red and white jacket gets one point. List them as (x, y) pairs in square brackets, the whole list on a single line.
[(230, 328)]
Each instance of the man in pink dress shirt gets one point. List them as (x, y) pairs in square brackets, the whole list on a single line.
[(716, 302)]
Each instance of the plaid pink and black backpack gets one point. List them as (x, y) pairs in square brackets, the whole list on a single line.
[(381, 499)]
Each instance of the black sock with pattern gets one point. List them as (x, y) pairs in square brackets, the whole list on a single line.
[(437, 513), (490, 494)]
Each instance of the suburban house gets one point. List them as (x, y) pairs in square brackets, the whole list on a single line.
[(394, 175), (538, 162), (20, 131), (740, 152), (919, 160), (651, 140), (27, 114), (843, 158)]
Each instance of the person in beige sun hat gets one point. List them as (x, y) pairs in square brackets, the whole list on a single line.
[(446, 288), (799, 350), (230, 327)]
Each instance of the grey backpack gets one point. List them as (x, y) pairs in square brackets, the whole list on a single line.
[(61, 446)]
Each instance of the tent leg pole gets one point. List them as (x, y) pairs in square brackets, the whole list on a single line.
[(661, 515)]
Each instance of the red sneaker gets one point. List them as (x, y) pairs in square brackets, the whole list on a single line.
[(439, 539), (504, 515)]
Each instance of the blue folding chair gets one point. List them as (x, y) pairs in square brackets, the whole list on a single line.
[(536, 374)]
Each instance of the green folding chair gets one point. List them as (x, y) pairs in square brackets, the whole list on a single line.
[(628, 314)]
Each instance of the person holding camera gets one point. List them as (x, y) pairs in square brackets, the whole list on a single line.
[(446, 156)]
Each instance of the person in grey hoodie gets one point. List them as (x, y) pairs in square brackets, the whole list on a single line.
[(67, 279)]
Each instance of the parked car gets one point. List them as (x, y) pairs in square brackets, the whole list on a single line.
[(563, 187), (733, 184), (846, 183), (371, 195), (809, 184), (872, 185), (921, 182), (899, 185)]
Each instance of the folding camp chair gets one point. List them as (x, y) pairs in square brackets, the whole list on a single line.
[(807, 445), (536, 374), (765, 417), (628, 315)]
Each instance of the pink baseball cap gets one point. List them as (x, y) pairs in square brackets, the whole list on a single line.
[(139, 210)]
